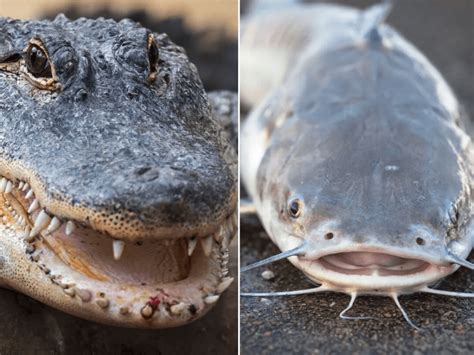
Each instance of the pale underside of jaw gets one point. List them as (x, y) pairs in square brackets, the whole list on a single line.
[(161, 278)]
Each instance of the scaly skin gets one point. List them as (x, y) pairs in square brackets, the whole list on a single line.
[(118, 182)]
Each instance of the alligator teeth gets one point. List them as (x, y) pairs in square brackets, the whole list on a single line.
[(20, 185), (27, 232), (211, 299), (54, 225), (224, 284), (42, 221), (25, 187), (206, 244), (124, 310), (192, 242), (29, 194), (8, 187), (84, 295), (219, 234), (102, 303), (34, 206), (178, 308), (70, 292), (147, 311), (70, 227), (118, 246), (3, 184)]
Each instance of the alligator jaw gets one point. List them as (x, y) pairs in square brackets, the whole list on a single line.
[(159, 283)]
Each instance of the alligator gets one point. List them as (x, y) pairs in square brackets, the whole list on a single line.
[(356, 154), (118, 181)]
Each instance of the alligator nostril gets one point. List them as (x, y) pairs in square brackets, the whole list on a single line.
[(329, 236), (143, 170), (420, 241), (81, 95)]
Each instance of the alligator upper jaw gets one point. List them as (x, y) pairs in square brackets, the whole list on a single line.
[(157, 283)]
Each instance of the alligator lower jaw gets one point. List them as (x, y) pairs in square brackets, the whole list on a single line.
[(153, 284)]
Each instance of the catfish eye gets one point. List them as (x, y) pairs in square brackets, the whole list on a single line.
[(37, 62), (153, 56), (294, 208)]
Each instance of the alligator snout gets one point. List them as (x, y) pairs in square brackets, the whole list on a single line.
[(117, 137)]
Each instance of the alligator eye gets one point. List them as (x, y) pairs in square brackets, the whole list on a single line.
[(294, 208), (37, 62), (153, 56)]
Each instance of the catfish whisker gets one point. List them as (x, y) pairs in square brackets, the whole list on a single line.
[(296, 251), (457, 260), (405, 314), (351, 303), (286, 293), (447, 293)]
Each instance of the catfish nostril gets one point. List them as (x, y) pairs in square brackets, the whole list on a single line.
[(329, 236), (420, 241)]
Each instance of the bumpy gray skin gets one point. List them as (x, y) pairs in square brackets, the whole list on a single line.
[(109, 140), (356, 123)]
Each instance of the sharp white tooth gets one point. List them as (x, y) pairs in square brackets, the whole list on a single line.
[(20, 185), (118, 246), (25, 187), (70, 227), (224, 284), (219, 234), (55, 224), (178, 308), (192, 242), (211, 299), (102, 302), (34, 206), (41, 223), (3, 184), (27, 232), (8, 187), (206, 244), (29, 194)]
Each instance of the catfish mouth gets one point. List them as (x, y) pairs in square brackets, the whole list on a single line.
[(374, 271), (153, 280), (368, 263)]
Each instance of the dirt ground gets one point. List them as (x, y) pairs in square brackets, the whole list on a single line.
[(444, 31)]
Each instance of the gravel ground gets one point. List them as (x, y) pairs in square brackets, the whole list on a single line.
[(444, 31)]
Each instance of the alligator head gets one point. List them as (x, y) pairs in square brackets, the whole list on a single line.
[(117, 193)]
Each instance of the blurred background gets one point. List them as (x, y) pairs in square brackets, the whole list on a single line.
[(207, 29)]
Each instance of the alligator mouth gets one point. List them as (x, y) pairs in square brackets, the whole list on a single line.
[(151, 279), (373, 271)]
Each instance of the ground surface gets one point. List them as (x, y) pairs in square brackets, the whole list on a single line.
[(444, 31)]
